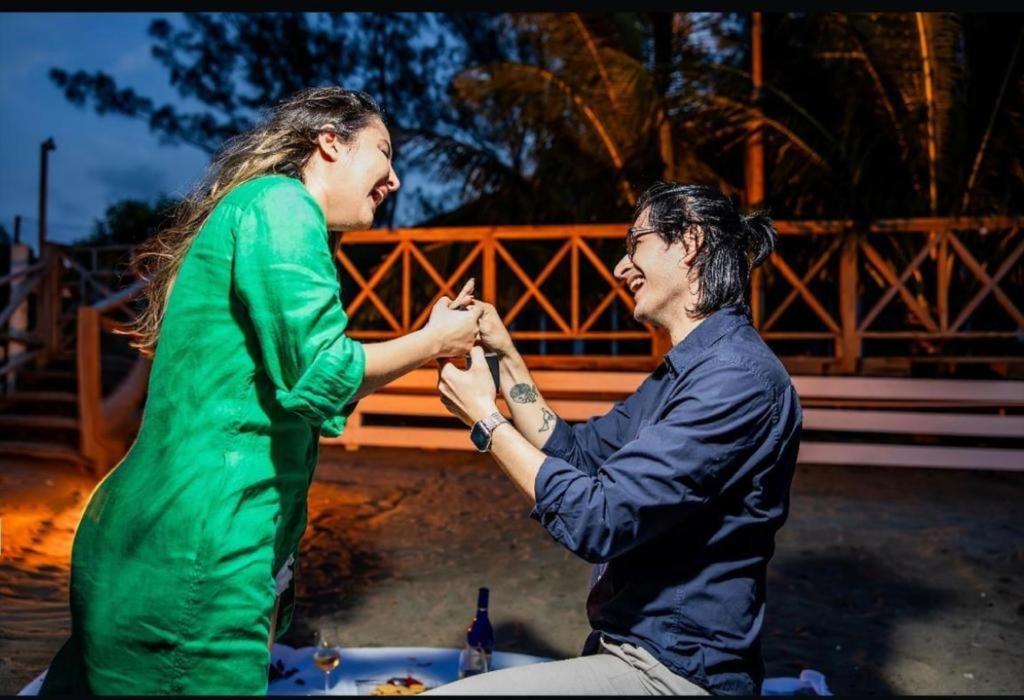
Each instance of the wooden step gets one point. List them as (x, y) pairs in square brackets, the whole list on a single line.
[(41, 396), (26, 420), (47, 380), (68, 374), (59, 365), (41, 451)]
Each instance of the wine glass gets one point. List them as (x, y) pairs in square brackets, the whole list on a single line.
[(327, 657)]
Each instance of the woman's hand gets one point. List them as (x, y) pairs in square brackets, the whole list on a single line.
[(453, 330), (468, 394), (493, 334), (465, 295)]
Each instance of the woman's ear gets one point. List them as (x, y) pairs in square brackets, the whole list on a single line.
[(329, 144)]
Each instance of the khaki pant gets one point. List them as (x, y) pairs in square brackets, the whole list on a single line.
[(618, 670)]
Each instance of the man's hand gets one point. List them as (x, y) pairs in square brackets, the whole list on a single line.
[(469, 394), (493, 334)]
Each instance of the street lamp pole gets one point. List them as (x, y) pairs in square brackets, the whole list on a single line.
[(44, 150)]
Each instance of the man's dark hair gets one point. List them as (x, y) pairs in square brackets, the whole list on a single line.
[(729, 243)]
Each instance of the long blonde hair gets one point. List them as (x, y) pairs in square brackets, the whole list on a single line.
[(281, 143)]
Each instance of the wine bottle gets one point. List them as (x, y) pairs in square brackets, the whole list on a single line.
[(476, 655)]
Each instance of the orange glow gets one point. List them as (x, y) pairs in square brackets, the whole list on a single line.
[(40, 513)]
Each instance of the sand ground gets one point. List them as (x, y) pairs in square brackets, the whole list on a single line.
[(886, 580)]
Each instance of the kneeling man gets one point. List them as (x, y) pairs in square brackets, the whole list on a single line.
[(677, 493)]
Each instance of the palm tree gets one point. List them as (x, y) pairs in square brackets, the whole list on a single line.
[(864, 116), (889, 115), (875, 114), (582, 116)]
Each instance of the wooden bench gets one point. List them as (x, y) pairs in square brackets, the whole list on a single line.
[(862, 408)]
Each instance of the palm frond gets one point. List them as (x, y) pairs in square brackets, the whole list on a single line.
[(546, 90), (982, 148), (451, 158)]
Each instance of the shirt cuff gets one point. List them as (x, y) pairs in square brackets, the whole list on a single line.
[(549, 487), (335, 425), (323, 392), (560, 443)]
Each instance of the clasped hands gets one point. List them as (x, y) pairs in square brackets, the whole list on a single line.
[(467, 326)]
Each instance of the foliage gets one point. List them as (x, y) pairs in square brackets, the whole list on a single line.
[(555, 117), (129, 222), (918, 101)]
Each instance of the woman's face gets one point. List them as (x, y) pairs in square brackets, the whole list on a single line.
[(353, 178)]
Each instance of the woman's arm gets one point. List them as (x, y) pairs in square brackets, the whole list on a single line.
[(450, 330), (285, 277)]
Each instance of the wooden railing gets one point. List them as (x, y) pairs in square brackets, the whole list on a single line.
[(887, 421), (836, 297), (29, 321), (91, 273), (106, 422), (65, 301), (552, 284), (96, 278)]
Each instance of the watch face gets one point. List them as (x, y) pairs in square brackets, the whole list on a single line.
[(480, 437)]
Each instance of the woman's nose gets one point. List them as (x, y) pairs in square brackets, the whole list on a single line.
[(393, 182)]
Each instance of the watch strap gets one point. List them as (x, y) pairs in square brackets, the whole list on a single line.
[(493, 421)]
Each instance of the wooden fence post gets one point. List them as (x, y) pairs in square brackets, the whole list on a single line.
[(943, 266), (756, 298), (21, 257), (90, 395), (849, 347), (490, 281), (48, 322)]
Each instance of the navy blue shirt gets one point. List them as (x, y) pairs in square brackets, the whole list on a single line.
[(678, 491)]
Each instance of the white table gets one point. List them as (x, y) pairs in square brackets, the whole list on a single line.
[(364, 667), (361, 668)]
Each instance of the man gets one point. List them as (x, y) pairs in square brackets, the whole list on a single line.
[(678, 491)]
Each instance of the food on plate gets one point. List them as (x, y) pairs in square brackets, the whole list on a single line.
[(400, 686)]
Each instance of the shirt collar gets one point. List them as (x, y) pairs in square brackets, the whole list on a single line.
[(713, 327)]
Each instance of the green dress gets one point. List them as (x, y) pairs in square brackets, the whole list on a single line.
[(174, 561)]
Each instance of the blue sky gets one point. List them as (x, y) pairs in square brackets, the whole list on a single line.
[(100, 159)]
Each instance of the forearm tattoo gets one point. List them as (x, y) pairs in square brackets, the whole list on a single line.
[(523, 393), (548, 418)]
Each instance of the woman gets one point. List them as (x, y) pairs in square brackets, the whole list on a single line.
[(184, 547)]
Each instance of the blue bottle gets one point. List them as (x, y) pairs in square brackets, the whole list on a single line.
[(476, 655)]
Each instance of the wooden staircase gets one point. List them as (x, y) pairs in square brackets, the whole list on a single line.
[(39, 418), (69, 391)]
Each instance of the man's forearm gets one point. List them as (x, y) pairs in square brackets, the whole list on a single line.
[(531, 414), (388, 360), (517, 457)]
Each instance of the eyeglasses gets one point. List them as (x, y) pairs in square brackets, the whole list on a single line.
[(635, 234)]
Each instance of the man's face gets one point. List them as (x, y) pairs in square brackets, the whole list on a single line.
[(656, 275)]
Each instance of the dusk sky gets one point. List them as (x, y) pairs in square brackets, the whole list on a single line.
[(100, 159)]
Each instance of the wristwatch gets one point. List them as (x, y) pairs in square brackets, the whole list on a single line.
[(482, 430)]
